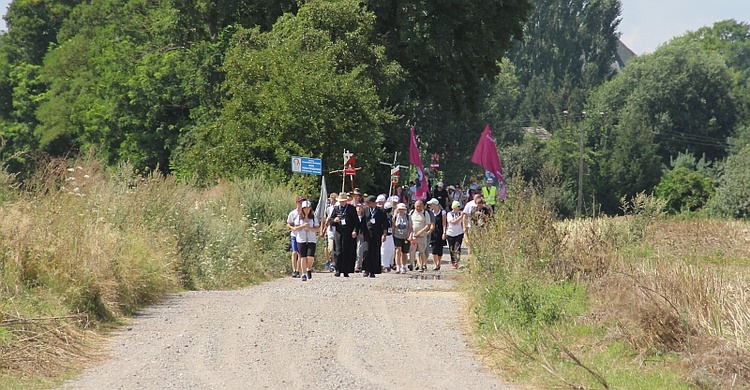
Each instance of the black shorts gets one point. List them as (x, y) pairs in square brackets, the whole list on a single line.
[(306, 249), (401, 243)]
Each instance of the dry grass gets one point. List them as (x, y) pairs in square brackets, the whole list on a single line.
[(82, 247), (674, 293)]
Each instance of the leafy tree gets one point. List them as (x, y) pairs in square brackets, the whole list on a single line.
[(568, 49), (684, 190), (302, 88), (33, 26), (673, 100), (447, 48), (732, 197)]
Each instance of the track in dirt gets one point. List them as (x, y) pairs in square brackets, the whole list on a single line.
[(388, 332)]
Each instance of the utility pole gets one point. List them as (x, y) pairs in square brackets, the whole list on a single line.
[(580, 167)]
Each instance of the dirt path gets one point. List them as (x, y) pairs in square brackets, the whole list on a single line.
[(388, 332)]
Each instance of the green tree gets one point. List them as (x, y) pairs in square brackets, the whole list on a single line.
[(732, 197), (684, 190), (303, 88), (568, 49), (447, 48), (673, 100)]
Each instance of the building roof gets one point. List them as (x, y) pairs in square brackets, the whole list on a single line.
[(623, 55)]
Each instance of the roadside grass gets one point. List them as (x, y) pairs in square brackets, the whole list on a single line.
[(635, 302), (83, 247)]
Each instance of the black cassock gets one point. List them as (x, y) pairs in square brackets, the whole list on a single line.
[(344, 246), (376, 224)]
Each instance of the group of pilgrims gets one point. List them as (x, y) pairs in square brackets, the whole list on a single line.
[(376, 234)]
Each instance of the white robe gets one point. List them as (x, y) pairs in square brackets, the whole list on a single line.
[(387, 252)]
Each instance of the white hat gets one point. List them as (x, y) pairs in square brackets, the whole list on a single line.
[(388, 205), (306, 203), (451, 187), (394, 199), (440, 184), (381, 198), (401, 206), (433, 201)]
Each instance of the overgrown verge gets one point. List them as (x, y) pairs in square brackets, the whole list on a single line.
[(82, 247), (637, 302)]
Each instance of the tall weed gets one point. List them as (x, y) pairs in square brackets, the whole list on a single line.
[(82, 246), (560, 294)]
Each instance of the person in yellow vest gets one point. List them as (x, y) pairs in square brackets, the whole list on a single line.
[(489, 192)]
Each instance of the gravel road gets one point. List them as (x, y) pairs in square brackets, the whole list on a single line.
[(389, 332)]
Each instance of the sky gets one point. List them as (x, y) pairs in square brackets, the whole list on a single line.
[(646, 24)]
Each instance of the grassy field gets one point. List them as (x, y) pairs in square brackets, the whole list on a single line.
[(635, 302), (84, 247)]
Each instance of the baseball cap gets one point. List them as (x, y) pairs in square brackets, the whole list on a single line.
[(370, 198), (440, 184), (451, 187), (299, 199), (388, 205), (306, 203), (455, 204), (433, 201), (381, 198)]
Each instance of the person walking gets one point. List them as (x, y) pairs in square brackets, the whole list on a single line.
[(437, 238), (402, 231), (422, 223), (374, 230), (346, 225), (442, 195), (307, 239), (327, 232), (489, 192), (388, 249), (291, 222), (454, 232)]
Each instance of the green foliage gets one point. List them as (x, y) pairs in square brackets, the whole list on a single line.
[(684, 190), (643, 124), (447, 49), (732, 197), (300, 89), (568, 49)]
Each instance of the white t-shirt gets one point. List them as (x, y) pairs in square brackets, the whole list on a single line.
[(305, 235), (454, 229), (470, 206), (330, 232), (291, 219)]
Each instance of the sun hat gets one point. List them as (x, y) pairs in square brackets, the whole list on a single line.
[(342, 197), (401, 206), (455, 204), (306, 203), (433, 201), (388, 205), (381, 198)]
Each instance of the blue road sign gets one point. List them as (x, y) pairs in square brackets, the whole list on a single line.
[(312, 166)]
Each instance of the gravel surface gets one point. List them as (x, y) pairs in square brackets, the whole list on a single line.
[(389, 332)]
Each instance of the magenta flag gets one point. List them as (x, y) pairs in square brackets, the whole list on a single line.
[(414, 159), (485, 155)]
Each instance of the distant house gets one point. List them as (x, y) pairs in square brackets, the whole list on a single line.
[(538, 131), (622, 56)]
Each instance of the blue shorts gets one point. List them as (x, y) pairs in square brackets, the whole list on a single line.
[(293, 244)]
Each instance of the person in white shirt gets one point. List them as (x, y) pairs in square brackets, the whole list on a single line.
[(291, 219), (422, 222), (454, 232), (306, 235)]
